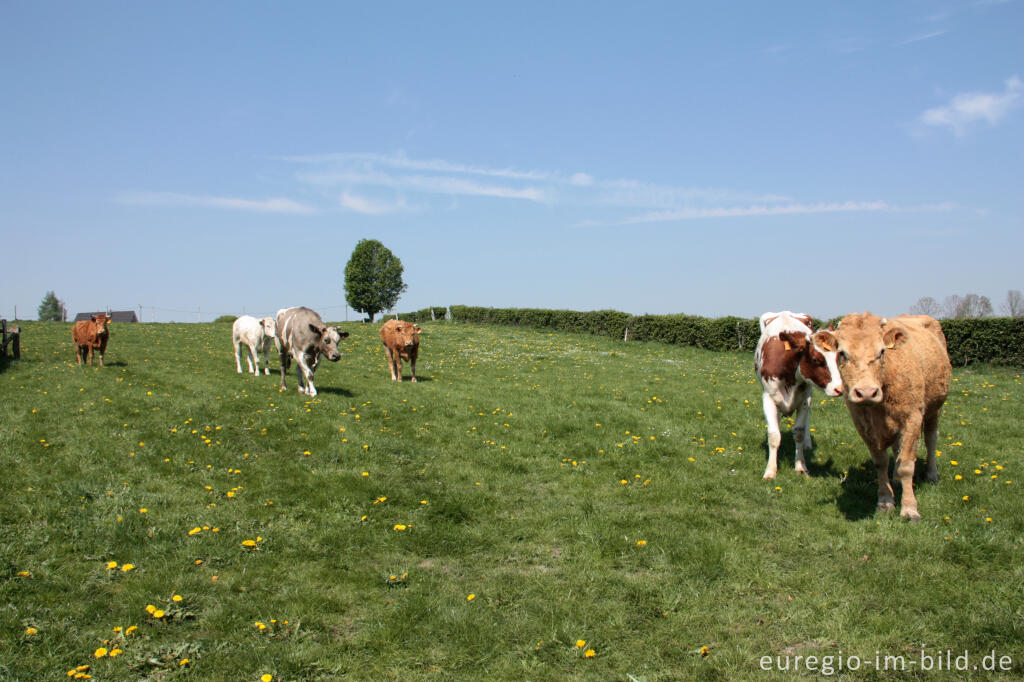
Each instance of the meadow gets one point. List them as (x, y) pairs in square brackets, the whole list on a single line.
[(539, 506)]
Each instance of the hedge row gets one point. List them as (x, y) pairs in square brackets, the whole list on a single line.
[(998, 340), (600, 322), (424, 315)]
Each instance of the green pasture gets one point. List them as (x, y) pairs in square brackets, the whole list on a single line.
[(539, 506)]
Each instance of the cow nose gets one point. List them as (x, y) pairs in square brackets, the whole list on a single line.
[(868, 394)]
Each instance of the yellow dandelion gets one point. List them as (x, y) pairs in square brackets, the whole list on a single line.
[(641, 543), (159, 613), (580, 643), (470, 597), (127, 567), (266, 678), (100, 653), (150, 609), (589, 653), (31, 631), (111, 565), (116, 652), (176, 597)]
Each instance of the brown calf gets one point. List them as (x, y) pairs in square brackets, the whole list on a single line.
[(91, 335), (896, 375), (401, 341)]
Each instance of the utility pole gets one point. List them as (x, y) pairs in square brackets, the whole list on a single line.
[(140, 312)]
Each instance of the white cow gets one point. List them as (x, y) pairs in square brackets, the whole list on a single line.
[(258, 336)]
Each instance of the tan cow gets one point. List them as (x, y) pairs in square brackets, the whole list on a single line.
[(89, 336), (896, 375), (401, 342)]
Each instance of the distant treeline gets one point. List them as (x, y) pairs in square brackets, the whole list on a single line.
[(997, 340)]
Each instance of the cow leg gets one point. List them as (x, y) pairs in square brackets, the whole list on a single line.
[(412, 364), (285, 357), (801, 433), (78, 353), (391, 361), (266, 359), (931, 437), (255, 360), (771, 415), (101, 357), (905, 463), (91, 352), (238, 356), (303, 372), (880, 456)]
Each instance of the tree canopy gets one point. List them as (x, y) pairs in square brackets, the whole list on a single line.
[(373, 278), (51, 309)]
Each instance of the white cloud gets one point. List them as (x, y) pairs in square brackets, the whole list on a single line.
[(275, 205), (972, 107), (921, 37), (368, 206), (757, 210)]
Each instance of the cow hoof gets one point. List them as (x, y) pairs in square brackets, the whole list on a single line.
[(886, 506), (911, 515), (769, 476), (932, 478), (414, 380)]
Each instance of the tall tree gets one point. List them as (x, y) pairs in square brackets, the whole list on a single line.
[(373, 278), (972, 305), (926, 306), (1014, 305), (51, 309)]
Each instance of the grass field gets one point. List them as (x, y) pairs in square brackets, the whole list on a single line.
[(538, 506)]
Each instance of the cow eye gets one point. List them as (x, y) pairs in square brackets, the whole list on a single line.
[(880, 354), (842, 356)]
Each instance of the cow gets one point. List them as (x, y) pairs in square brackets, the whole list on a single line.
[(401, 342), (303, 336), (91, 335), (788, 365), (896, 374), (258, 336)]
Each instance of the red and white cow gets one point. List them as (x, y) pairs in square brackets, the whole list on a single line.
[(788, 364), (90, 336), (259, 336)]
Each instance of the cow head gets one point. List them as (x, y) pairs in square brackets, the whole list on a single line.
[(269, 326), (102, 321), (329, 337), (407, 334), (814, 365), (860, 346)]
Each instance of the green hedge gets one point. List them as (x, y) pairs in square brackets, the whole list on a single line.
[(599, 322), (997, 340), (422, 315)]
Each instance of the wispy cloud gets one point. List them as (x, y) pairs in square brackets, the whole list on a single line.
[(756, 210), (274, 205), (973, 107), (368, 206), (921, 37)]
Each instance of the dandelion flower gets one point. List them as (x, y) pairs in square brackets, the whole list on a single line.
[(176, 597), (580, 643), (641, 543), (589, 653), (111, 565), (127, 567), (150, 609), (159, 613), (31, 631), (470, 597), (100, 653), (266, 678)]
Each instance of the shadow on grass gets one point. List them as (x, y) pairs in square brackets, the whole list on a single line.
[(859, 497), (334, 390), (787, 457)]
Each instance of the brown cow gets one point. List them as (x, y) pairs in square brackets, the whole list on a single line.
[(896, 375), (90, 335), (401, 341)]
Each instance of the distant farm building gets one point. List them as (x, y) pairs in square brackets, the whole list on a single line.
[(116, 316)]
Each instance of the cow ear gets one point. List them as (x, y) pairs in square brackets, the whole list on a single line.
[(792, 339), (418, 330), (343, 335), (319, 331), (894, 337), (826, 340), (92, 317)]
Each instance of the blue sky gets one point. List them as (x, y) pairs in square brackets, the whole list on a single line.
[(198, 158)]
